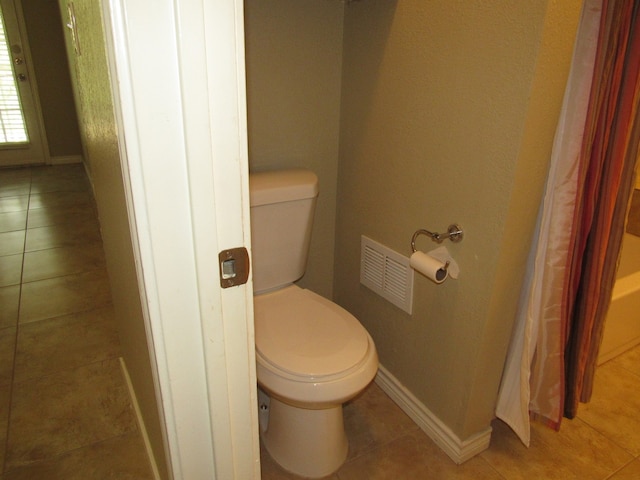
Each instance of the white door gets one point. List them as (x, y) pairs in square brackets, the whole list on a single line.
[(177, 75), (21, 139)]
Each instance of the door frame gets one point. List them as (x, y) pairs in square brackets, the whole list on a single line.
[(36, 122), (178, 77)]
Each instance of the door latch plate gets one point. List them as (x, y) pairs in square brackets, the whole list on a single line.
[(234, 267)]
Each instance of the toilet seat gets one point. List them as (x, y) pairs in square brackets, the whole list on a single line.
[(307, 338)]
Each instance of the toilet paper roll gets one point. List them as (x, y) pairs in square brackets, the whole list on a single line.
[(430, 267), (442, 254)]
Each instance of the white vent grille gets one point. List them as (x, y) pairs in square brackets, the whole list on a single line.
[(387, 273)]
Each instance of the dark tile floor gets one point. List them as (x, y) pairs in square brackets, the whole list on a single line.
[(65, 411)]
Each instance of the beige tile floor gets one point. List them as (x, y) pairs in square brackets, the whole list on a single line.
[(65, 412), (603, 442)]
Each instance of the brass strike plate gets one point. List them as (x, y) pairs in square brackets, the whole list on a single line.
[(234, 267)]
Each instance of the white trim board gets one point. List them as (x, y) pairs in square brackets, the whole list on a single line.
[(141, 426), (458, 450)]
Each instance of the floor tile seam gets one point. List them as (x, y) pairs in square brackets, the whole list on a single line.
[(381, 445), (70, 245), (13, 374), (79, 192), (85, 320), (78, 272), (78, 312), (491, 465), (10, 386), (80, 246), (19, 281), (20, 382), (60, 455), (88, 217), (79, 206), (17, 230), (11, 254), (17, 252), (615, 472), (71, 370), (604, 435), (102, 267), (63, 199), (74, 323), (16, 196), (73, 217), (632, 372), (11, 196), (61, 188), (80, 210)]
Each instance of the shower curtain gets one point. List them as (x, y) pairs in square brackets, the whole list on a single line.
[(571, 268)]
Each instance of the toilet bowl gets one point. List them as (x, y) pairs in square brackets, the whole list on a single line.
[(311, 354)]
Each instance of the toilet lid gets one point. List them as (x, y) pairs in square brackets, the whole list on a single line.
[(305, 334)]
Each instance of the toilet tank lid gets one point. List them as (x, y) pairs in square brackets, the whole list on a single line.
[(282, 186)]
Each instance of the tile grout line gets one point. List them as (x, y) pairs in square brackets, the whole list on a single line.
[(622, 467), (17, 330), (62, 454), (20, 326), (67, 370), (610, 439)]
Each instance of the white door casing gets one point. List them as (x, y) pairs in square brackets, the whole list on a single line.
[(177, 72), (36, 150)]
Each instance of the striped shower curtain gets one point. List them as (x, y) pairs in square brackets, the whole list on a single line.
[(552, 358), (607, 165)]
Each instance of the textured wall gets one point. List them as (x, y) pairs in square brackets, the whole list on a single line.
[(294, 60), (98, 129), (448, 115)]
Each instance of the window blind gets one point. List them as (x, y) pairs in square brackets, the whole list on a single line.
[(12, 124)]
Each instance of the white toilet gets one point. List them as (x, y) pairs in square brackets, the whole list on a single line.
[(312, 355)]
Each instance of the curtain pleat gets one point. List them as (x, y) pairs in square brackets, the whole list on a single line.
[(551, 363), (607, 163), (533, 378)]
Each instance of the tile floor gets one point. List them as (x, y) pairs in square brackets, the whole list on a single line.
[(65, 412), (602, 443)]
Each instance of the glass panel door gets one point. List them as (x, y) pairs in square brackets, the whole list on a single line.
[(21, 127), (12, 126)]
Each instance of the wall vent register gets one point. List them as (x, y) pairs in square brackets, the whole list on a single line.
[(387, 273)]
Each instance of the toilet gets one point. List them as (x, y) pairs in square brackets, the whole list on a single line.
[(311, 354)]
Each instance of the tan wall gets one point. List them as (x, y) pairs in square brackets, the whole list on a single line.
[(448, 115), (294, 60), (44, 31), (91, 80)]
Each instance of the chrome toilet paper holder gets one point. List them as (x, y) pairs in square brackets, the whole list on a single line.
[(454, 233)]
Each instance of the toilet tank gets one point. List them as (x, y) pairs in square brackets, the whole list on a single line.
[(282, 206)]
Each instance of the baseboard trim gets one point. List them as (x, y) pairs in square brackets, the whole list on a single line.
[(458, 450), (65, 159), (143, 430)]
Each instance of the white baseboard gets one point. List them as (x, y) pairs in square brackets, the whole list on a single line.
[(65, 159), (459, 450), (143, 430)]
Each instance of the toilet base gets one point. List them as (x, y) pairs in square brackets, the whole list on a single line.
[(310, 443)]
